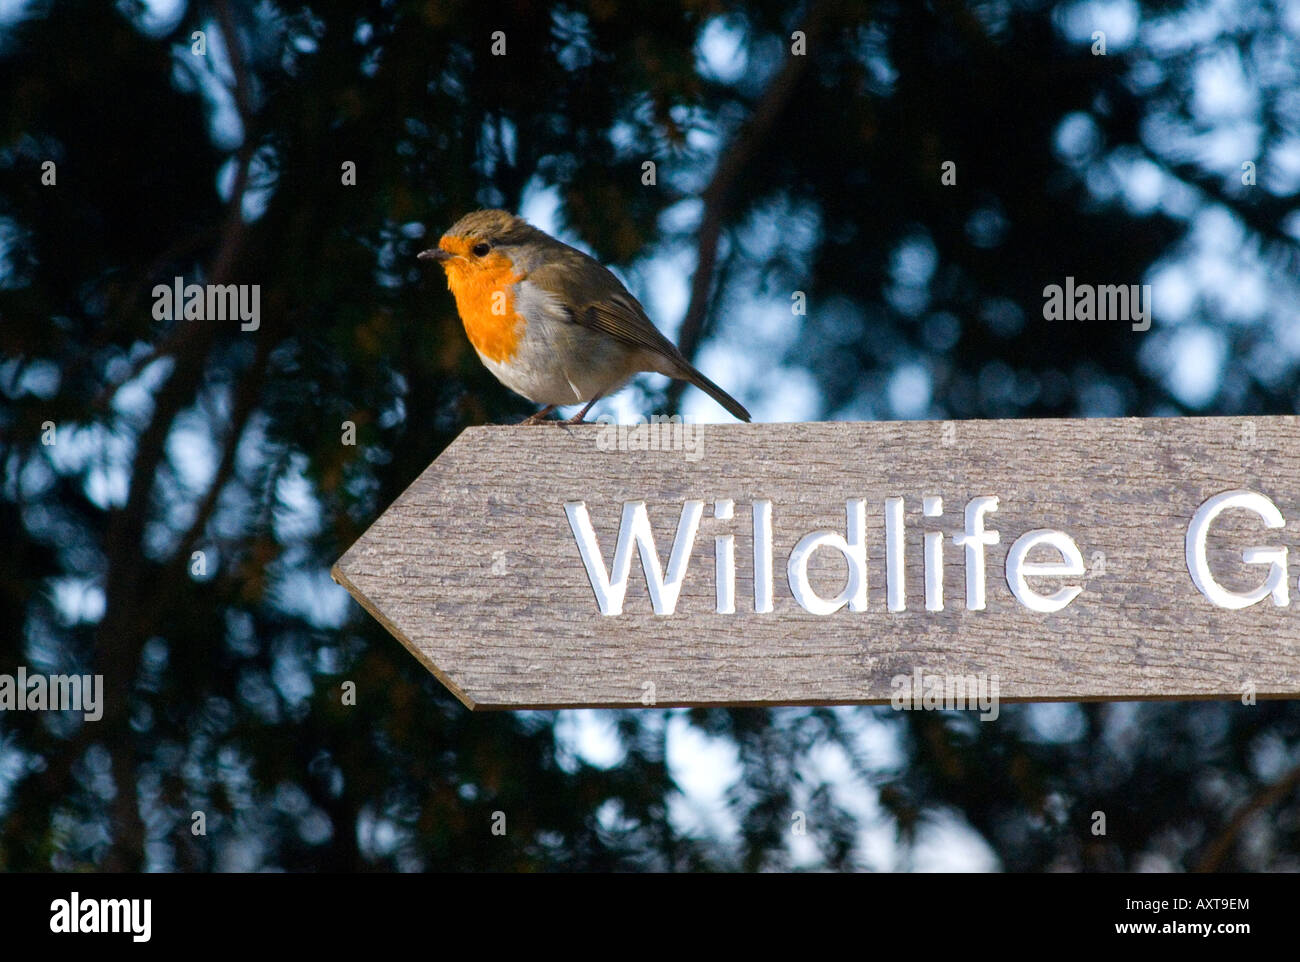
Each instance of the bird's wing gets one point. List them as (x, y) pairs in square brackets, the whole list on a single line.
[(612, 310), (620, 316)]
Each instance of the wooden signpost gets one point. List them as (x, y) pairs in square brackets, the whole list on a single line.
[(836, 563)]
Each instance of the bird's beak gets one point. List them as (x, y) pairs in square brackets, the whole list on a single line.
[(435, 254)]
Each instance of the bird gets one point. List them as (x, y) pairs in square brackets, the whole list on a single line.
[(550, 322)]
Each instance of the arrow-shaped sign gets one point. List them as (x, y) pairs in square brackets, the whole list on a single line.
[(836, 563)]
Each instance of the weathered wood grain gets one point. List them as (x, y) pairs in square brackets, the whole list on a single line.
[(476, 570)]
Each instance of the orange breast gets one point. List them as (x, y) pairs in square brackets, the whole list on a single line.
[(486, 304)]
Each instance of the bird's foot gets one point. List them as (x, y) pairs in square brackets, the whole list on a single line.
[(580, 417), (540, 416)]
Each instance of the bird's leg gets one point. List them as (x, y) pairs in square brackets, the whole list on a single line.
[(577, 419), (540, 416)]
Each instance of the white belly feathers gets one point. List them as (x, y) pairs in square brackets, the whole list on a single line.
[(554, 360)]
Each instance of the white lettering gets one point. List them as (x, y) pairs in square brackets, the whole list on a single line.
[(634, 531), (854, 549), (1198, 563), (1018, 569)]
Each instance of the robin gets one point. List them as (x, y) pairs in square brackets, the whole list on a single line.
[(550, 322)]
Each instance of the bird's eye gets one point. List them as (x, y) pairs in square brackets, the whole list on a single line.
[(481, 249)]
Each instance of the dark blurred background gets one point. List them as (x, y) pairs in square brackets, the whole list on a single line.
[(176, 536)]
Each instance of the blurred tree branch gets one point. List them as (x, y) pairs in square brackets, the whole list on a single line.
[(718, 195), (1221, 845), (245, 403), (128, 619)]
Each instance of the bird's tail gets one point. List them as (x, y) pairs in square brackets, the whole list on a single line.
[(715, 392)]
